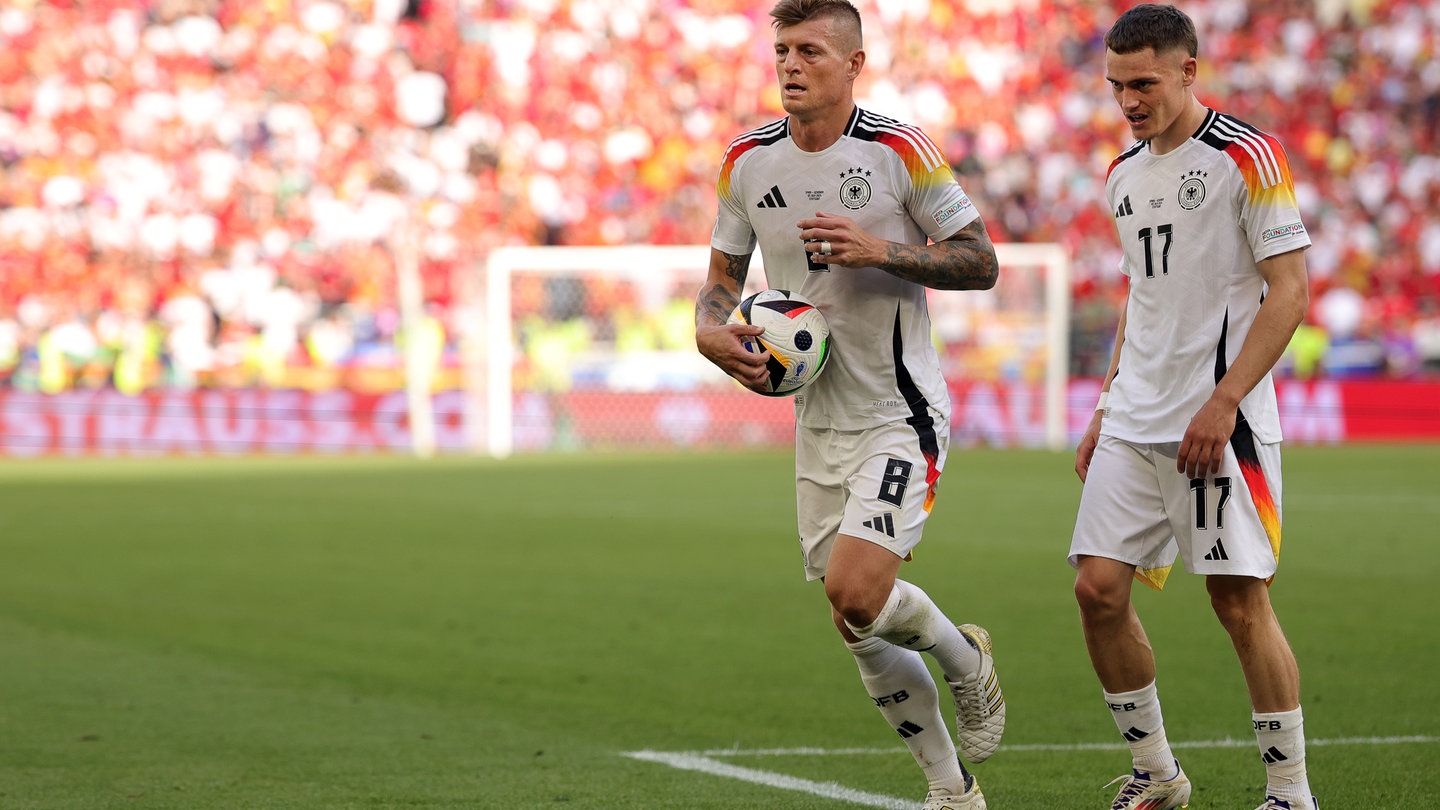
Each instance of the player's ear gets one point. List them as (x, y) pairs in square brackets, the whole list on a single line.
[(1188, 69), (857, 61)]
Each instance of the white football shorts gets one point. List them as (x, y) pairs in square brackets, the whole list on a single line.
[(1138, 509), (876, 484)]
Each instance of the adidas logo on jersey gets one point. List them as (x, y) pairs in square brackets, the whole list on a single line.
[(1124, 209), (1217, 552), (881, 523), (772, 199)]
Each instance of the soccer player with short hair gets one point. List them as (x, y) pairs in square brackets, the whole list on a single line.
[(1182, 454), (860, 214)]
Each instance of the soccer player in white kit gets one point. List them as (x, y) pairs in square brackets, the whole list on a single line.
[(860, 214), (1182, 455)]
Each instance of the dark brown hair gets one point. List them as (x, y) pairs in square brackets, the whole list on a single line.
[(1160, 28)]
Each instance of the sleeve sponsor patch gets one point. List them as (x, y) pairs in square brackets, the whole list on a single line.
[(953, 210), (1291, 229)]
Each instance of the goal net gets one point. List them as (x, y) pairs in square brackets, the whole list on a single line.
[(593, 348)]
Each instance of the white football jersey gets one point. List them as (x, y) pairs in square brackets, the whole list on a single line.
[(895, 183), (1193, 223)]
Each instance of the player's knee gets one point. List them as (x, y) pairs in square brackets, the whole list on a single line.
[(1234, 616), (853, 605), (1099, 599), (856, 613), (1236, 604)]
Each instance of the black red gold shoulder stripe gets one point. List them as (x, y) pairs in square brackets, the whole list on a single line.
[(1124, 156), (1259, 155), (771, 133), (907, 140)]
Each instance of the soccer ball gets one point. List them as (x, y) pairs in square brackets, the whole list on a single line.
[(796, 333)]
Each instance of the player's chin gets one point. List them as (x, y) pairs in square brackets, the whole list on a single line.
[(795, 103)]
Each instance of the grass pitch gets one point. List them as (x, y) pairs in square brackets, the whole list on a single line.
[(379, 632)]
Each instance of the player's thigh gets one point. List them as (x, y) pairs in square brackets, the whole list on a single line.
[(1229, 523), (1122, 511), (892, 487), (820, 472)]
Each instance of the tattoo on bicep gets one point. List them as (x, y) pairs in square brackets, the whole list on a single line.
[(738, 268), (965, 261)]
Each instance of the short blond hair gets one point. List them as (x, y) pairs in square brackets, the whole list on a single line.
[(793, 12)]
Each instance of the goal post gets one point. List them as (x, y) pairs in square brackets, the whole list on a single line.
[(1055, 264), (638, 264), (566, 327)]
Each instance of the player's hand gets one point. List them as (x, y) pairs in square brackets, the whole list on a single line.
[(1086, 449), (721, 345), (1203, 448), (850, 245)]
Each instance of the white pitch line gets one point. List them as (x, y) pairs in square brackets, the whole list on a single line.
[(705, 762), (829, 790)]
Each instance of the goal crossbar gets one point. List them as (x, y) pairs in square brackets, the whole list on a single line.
[(496, 352)]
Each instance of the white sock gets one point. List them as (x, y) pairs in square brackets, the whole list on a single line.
[(1137, 715), (1281, 736), (902, 688), (911, 620)]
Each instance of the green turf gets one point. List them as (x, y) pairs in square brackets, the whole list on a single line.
[(374, 633)]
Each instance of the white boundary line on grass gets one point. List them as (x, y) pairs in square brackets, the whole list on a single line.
[(691, 761), (707, 762)]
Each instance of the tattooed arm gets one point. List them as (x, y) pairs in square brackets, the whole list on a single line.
[(721, 293), (965, 261), (717, 341)]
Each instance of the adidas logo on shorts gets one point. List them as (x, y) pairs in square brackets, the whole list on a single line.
[(884, 524), (1217, 552)]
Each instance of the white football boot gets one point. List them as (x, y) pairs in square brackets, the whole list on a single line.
[(1140, 792), (971, 799), (979, 703)]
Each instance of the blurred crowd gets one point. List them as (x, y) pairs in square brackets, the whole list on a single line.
[(234, 192)]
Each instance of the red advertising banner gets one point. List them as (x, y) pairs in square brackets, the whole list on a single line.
[(216, 422), (1328, 412), (280, 422)]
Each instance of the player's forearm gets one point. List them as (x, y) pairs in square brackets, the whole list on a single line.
[(1115, 350), (1275, 323), (965, 261), (721, 293)]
